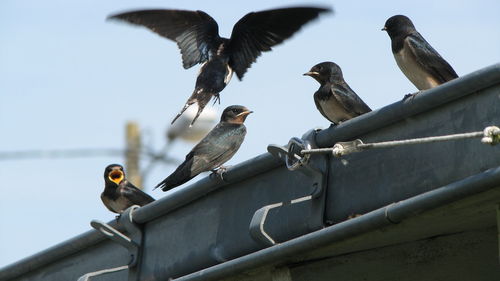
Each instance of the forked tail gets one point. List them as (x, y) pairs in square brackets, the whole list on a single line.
[(200, 97)]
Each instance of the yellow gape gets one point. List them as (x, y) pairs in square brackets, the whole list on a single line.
[(116, 176)]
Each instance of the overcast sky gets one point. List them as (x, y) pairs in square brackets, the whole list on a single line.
[(69, 79)]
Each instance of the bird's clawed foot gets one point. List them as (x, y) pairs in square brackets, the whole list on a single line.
[(410, 96), (217, 98), (336, 124), (220, 172)]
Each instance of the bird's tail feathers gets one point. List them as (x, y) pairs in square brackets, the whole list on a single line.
[(182, 111), (201, 97), (180, 176), (171, 182)]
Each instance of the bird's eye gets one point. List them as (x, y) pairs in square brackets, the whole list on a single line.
[(319, 68)]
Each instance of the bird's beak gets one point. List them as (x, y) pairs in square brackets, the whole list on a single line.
[(384, 28), (244, 113), (116, 176), (311, 73)]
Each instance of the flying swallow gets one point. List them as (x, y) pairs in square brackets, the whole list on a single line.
[(335, 100), (217, 147), (416, 58), (119, 194), (197, 36)]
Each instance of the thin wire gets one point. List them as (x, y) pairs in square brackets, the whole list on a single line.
[(386, 144), (395, 143), (162, 155), (79, 153), (60, 153)]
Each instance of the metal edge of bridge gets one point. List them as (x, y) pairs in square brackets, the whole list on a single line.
[(424, 101), (388, 215)]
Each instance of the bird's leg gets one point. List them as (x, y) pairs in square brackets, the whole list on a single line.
[(217, 98), (182, 111), (220, 172), (411, 95), (336, 124)]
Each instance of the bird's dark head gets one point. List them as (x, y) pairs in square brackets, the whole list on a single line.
[(326, 72), (235, 114), (114, 173), (398, 25)]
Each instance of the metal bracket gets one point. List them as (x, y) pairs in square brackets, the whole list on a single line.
[(132, 243), (295, 161)]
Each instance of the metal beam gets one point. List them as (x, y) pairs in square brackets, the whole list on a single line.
[(383, 117), (281, 274), (371, 221)]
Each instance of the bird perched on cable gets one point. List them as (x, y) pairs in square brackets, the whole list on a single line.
[(335, 100), (416, 58), (217, 147), (197, 36), (119, 194)]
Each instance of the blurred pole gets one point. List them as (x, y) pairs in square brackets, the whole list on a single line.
[(132, 153)]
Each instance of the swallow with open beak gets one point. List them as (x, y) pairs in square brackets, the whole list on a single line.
[(119, 194), (416, 58), (216, 148), (335, 100), (197, 35)]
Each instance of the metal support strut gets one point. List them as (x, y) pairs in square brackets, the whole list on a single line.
[(295, 161), (132, 243)]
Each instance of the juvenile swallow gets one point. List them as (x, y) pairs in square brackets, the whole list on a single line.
[(416, 58), (335, 100), (217, 147), (197, 36), (119, 194)]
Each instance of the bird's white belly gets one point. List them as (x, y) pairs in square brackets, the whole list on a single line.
[(118, 205), (334, 110), (414, 71), (229, 74)]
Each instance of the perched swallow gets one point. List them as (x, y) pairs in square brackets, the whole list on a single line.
[(217, 147), (335, 100), (416, 58), (119, 194), (197, 36)]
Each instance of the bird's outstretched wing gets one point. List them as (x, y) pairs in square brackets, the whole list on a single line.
[(349, 99), (257, 32), (135, 195), (196, 33), (428, 58)]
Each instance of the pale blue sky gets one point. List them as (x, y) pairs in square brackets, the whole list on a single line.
[(69, 79)]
